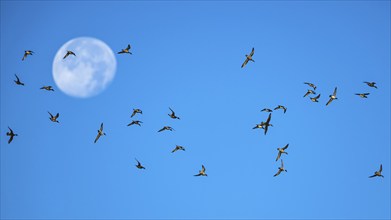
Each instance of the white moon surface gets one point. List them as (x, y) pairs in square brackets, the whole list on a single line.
[(89, 72)]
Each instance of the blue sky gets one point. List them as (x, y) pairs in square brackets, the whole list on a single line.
[(187, 56)]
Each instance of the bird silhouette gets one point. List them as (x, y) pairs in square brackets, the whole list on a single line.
[(139, 166), (281, 151), (100, 133), (26, 53), (202, 172), (378, 173), (135, 123), (172, 115), (280, 107), (309, 92), (126, 50), (371, 84), (315, 99), (178, 147), (17, 81), (11, 134), (54, 118), (168, 128), (48, 88), (248, 58), (69, 53), (311, 85), (135, 111), (332, 97), (362, 95), (281, 169)]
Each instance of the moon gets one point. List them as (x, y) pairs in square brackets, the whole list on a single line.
[(89, 72)]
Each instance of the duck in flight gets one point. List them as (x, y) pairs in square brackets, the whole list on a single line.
[(378, 173), (135, 111), (282, 151), (281, 169), (248, 58), (315, 99), (280, 107), (48, 88), (267, 123), (261, 125), (172, 115), (139, 166), (100, 133), (17, 81), (310, 85), (168, 128), (266, 110), (202, 172), (177, 147), (135, 123), (54, 118), (26, 53), (309, 92), (69, 53), (332, 97), (371, 84), (363, 95), (126, 50), (11, 134)]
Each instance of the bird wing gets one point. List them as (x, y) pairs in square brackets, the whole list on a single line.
[(57, 115), (172, 111), (268, 118), (307, 93), (366, 93), (330, 100), (66, 55), (286, 146), (134, 112), (317, 96), (10, 130), (372, 176), (252, 52), (245, 62), (121, 52), (17, 78), (203, 168), (127, 48), (198, 174), (97, 137), (11, 138), (50, 114), (278, 173), (101, 127), (266, 128), (24, 56), (278, 156), (335, 92), (175, 149), (162, 129), (381, 168)]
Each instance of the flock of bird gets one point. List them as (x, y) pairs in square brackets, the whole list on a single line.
[(263, 125)]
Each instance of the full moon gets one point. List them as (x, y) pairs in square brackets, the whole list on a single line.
[(89, 72)]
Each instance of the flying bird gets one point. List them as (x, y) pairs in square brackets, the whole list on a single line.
[(126, 50), (48, 88), (54, 118), (139, 166), (17, 81), (135, 111), (261, 125), (378, 173), (172, 115), (309, 92), (280, 107), (266, 110), (332, 97), (26, 53), (248, 58), (135, 123), (267, 123), (315, 99), (166, 128), (363, 95), (100, 133), (69, 53), (201, 172), (281, 169), (11, 134), (282, 151), (371, 84), (310, 85), (177, 147)]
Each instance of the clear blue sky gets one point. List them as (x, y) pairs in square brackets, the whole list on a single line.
[(187, 56)]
